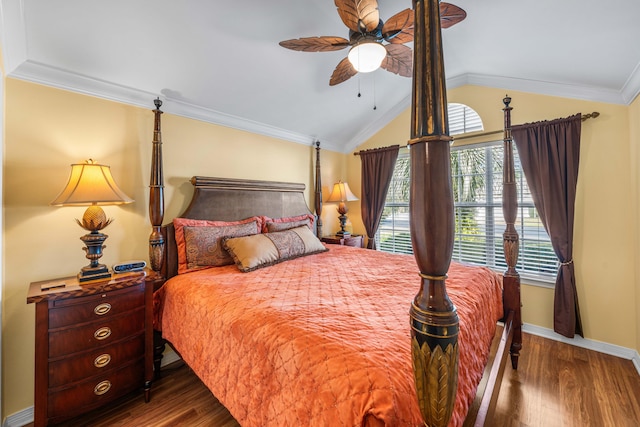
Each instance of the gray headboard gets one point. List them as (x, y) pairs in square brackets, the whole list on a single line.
[(227, 199)]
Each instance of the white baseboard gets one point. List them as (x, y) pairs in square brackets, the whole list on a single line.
[(169, 357), (578, 341), (24, 417), (19, 419)]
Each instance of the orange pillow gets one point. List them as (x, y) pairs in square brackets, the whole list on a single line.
[(199, 242), (270, 225)]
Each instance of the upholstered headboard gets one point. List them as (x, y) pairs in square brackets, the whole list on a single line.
[(226, 199)]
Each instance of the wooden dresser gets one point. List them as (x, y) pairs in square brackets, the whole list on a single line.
[(93, 343)]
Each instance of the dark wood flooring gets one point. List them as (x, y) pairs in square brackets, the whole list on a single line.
[(555, 385)]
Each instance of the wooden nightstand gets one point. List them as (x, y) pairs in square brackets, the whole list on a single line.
[(94, 343), (356, 240)]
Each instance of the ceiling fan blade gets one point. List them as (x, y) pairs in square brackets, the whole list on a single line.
[(343, 72), (399, 60), (450, 14), (399, 28), (316, 44), (360, 16)]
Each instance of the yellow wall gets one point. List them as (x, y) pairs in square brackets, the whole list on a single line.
[(634, 120), (47, 130), (605, 237)]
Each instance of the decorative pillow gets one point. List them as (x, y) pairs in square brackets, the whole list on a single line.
[(271, 225), (262, 250), (199, 242)]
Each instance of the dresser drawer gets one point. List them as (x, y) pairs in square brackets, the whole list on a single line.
[(96, 334), (85, 309), (71, 401), (89, 364)]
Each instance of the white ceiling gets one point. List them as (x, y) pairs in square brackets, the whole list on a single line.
[(220, 61)]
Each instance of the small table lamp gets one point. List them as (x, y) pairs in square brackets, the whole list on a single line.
[(91, 184), (342, 193)]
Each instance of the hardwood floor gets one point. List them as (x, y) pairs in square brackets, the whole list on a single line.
[(555, 385), (558, 384)]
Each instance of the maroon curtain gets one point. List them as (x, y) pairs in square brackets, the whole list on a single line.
[(550, 152), (377, 171)]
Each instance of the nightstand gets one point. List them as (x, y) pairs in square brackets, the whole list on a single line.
[(94, 343), (356, 240)]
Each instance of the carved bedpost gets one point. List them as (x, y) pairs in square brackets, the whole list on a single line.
[(511, 241), (156, 194), (156, 216), (318, 190), (434, 320)]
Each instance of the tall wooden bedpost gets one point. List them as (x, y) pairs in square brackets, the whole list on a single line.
[(156, 216), (156, 194), (511, 241), (318, 200), (434, 320)]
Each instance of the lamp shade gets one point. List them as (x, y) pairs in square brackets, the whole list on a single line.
[(367, 56), (341, 193), (90, 183)]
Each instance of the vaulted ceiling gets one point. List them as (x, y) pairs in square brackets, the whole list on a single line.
[(219, 61)]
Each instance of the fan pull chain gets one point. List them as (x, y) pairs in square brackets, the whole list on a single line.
[(374, 93), (359, 94)]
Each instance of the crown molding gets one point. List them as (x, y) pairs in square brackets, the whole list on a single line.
[(12, 31), (50, 76), (631, 88), (377, 125), (586, 93)]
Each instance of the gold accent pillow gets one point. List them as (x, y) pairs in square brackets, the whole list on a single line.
[(262, 250)]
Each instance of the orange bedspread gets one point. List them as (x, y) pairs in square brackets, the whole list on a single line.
[(322, 340)]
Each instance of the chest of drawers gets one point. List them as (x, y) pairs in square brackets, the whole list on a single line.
[(93, 343)]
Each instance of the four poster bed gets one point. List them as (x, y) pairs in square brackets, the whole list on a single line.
[(285, 330)]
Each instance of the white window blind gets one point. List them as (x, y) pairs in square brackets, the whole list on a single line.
[(479, 222)]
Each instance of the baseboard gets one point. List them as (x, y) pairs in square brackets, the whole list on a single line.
[(24, 417), (169, 357), (19, 419), (636, 361), (578, 341)]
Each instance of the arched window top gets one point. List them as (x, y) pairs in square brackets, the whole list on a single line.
[(463, 119)]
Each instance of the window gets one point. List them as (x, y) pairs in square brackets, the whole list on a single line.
[(463, 119), (479, 223), (477, 194)]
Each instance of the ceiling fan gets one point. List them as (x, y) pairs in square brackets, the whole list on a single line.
[(367, 37)]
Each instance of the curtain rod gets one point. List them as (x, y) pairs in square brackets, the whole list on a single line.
[(495, 132), (391, 147)]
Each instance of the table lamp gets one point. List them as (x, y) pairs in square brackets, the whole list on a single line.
[(91, 184), (342, 193)]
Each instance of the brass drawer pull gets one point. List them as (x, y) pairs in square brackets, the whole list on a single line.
[(102, 387), (102, 333), (102, 360), (102, 309)]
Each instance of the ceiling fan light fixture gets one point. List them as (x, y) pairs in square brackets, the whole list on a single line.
[(367, 56)]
